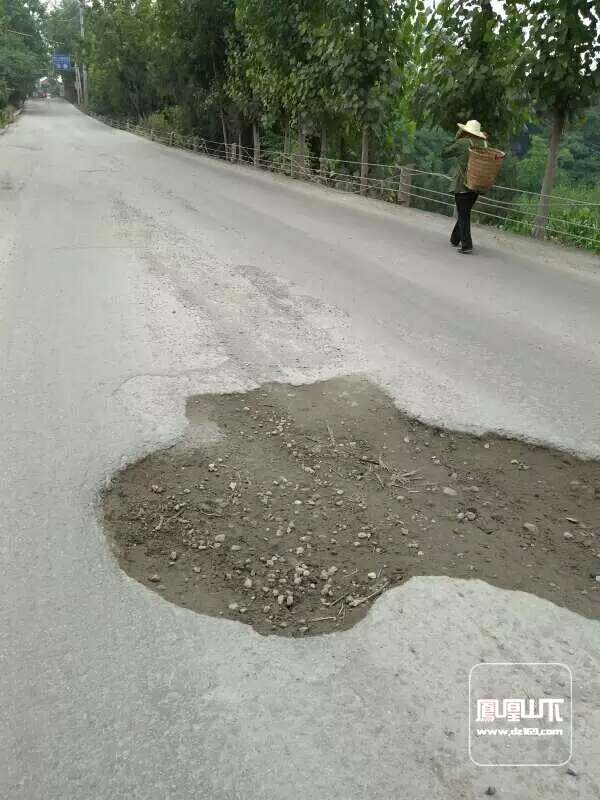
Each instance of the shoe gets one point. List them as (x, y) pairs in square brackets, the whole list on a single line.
[(454, 244), (465, 251)]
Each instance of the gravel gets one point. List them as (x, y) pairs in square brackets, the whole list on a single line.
[(314, 502)]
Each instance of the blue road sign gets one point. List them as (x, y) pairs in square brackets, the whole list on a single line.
[(61, 61)]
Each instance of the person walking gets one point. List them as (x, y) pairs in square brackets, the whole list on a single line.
[(468, 136)]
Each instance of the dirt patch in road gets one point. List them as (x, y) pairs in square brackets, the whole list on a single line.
[(318, 498)]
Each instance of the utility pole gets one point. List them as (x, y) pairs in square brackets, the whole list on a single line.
[(83, 83)]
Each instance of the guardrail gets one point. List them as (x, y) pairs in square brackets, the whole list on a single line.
[(570, 221)]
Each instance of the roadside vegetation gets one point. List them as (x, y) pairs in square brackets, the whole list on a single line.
[(23, 53), (353, 88)]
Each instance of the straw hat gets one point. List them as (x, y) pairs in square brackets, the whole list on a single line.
[(473, 128)]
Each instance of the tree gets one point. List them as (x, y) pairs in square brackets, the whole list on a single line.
[(23, 52), (530, 169), (366, 54), (467, 69), (277, 58), (193, 53), (314, 83), (239, 87), (119, 50), (63, 31), (583, 140), (560, 65)]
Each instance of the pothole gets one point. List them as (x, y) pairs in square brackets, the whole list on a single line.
[(319, 498)]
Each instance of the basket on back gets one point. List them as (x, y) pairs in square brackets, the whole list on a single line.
[(483, 168)]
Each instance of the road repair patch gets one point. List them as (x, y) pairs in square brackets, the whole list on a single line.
[(318, 498)]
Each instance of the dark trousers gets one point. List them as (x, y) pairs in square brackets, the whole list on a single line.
[(462, 230)]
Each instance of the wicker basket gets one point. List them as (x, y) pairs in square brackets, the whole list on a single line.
[(483, 168)]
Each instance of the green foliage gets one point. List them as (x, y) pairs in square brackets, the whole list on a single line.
[(63, 31), (405, 71), (583, 141), (239, 87), (120, 52), (571, 224), (6, 115), (62, 27), (467, 69), (560, 66), (530, 170), (191, 55), (425, 150), (578, 158), (277, 59), (560, 60), (172, 118), (23, 55), (367, 51)]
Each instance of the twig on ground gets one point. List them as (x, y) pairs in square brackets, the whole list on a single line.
[(331, 436), (411, 473), (178, 514), (335, 602), (364, 459), (342, 596), (377, 592), (311, 438)]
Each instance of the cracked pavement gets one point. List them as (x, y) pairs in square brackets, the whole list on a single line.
[(132, 276)]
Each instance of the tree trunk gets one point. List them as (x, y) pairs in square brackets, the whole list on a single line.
[(286, 137), (78, 84), (84, 87), (256, 140), (541, 220), (301, 151), (287, 149), (323, 159), (224, 126), (364, 161)]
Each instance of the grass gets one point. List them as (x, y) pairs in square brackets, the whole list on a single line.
[(6, 116), (574, 223)]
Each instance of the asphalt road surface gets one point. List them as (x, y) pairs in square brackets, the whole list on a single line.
[(131, 276)]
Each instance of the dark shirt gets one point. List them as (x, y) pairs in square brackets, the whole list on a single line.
[(459, 149)]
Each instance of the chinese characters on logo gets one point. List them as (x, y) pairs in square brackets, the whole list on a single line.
[(514, 710)]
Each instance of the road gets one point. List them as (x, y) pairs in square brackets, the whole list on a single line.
[(131, 276)]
